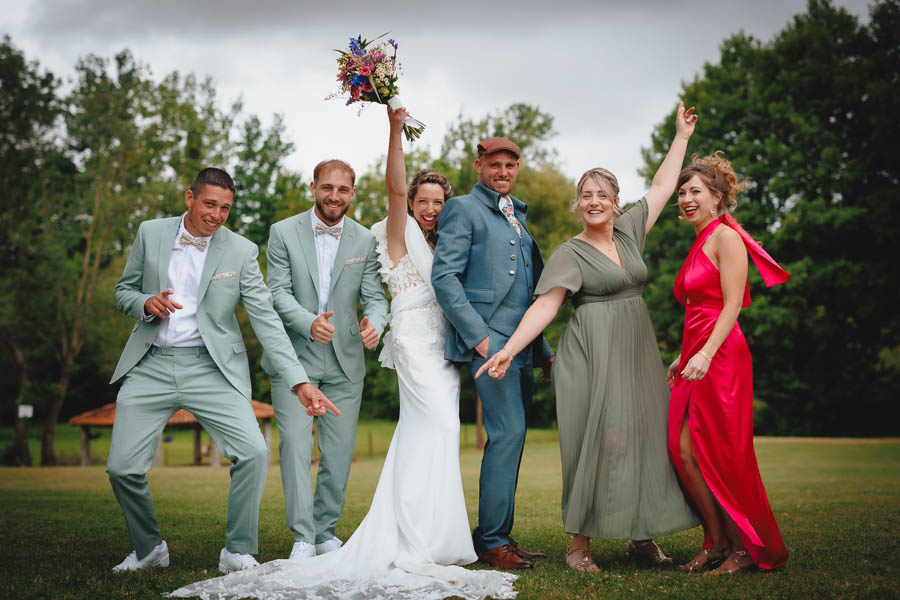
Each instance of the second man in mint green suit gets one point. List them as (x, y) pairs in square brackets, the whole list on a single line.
[(321, 264)]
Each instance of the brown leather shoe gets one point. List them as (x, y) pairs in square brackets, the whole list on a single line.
[(524, 554), (504, 557)]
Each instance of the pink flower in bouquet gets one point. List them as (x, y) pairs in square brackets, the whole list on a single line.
[(367, 87), (365, 72), (354, 92)]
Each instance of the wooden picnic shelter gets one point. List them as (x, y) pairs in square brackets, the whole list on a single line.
[(105, 415)]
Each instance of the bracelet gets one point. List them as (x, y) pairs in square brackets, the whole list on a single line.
[(503, 349), (706, 356)]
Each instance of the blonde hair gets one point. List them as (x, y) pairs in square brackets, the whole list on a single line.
[(716, 173), (608, 183)]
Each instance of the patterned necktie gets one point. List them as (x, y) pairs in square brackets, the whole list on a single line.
[(507, 209), (332, 231), (187, 240)]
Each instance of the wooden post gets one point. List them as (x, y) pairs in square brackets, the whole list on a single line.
[(198, 453), (158, 457), (85, 446), (215, 458), (267, 435), (479, 423)]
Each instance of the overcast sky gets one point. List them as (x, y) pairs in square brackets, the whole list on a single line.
[(607, 71)]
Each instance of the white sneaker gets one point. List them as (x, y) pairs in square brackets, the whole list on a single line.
[(328, 546), (158, 557), (229, 562), (302, 550)]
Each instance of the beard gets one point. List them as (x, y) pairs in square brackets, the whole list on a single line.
[(331, 215)]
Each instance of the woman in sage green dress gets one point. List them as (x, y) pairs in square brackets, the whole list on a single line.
[(611, 394)]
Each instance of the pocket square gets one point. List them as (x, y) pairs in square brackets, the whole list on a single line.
[(224, 275), (358, 259)]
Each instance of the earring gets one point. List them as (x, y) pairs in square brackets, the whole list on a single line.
[(713, 212)]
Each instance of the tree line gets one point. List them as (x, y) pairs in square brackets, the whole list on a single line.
[(808, 117)]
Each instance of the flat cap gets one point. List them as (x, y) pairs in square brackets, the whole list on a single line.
[(498, 144)]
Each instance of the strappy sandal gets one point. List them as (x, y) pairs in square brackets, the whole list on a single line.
[(714, 558), (647, 550), (737, 562), (580, 560)]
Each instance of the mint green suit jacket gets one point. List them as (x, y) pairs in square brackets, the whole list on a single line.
[(230, 274), (293, 277)]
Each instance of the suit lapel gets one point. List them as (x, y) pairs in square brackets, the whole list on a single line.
[(215, 251), (166, 241), (345, 248), (308, 246)]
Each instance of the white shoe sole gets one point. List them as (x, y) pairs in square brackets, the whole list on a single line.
[(161, 562)]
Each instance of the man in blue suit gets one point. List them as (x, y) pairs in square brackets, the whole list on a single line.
[(486, 265)]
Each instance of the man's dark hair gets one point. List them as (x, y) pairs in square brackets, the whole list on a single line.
[(212, 176)]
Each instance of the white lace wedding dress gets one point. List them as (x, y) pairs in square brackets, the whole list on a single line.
[(416, 531)]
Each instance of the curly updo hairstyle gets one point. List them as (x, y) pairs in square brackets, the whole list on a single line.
[(428, 176), (716, 173)]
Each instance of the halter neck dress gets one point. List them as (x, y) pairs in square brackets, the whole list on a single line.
[(719, 407)]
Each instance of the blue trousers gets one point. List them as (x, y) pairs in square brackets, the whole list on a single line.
[(503, 401)]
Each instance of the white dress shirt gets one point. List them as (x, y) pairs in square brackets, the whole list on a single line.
[(326, 249), (185, 269)]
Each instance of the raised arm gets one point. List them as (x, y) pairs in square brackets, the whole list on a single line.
[(395, 181), (666, 177), (536, 319)]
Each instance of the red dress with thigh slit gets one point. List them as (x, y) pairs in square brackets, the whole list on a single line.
[(719, 407)]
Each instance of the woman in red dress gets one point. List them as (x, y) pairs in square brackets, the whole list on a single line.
[(711, 409)]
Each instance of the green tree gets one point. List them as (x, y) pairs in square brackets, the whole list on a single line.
[(80, 174), (810, 118), (29, 114)]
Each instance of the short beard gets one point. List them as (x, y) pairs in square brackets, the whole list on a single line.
[(321, 210)]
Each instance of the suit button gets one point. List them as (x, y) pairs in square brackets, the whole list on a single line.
[(512, 257), (511, 272), (512, 242)]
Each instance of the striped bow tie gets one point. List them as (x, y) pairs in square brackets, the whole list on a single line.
[(332, 231), (187, 240)]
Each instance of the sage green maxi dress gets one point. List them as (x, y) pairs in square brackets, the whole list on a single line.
[(612, 400)]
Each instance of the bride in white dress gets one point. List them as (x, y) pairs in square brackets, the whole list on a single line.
[(416, 532)]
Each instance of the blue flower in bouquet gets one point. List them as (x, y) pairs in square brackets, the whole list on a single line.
[(355, 47), (357, 80), (393, 43)]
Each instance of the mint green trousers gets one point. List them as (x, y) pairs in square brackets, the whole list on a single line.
[(164, 381), (311, 518)]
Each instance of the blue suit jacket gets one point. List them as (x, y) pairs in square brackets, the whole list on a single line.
[(471, 269)]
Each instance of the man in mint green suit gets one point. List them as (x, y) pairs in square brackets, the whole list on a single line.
[(182, 281), (320, 265)]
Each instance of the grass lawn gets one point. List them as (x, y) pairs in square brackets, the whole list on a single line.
[(837, 502)]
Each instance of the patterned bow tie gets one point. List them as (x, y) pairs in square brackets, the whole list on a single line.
[(187, 240), (332, 231), (507, 209)]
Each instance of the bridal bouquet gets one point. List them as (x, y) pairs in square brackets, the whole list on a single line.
[(368, 72)]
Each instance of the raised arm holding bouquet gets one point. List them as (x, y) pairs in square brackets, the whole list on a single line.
[(368, 72)]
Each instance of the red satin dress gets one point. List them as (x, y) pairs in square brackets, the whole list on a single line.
[(720, 405)]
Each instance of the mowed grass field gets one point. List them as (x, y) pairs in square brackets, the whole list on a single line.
[(837, 502)]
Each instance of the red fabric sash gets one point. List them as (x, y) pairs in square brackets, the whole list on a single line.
[(771, 271)]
